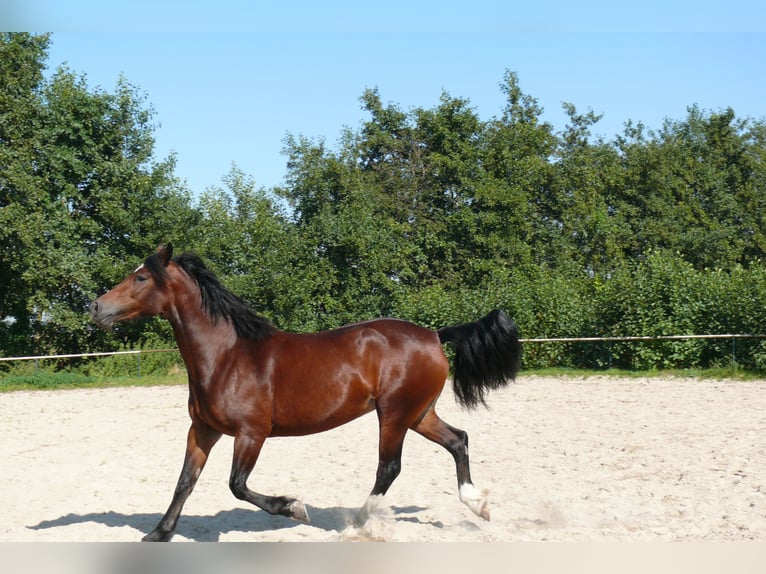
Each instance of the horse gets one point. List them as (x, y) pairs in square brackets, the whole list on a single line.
[(250, 380)]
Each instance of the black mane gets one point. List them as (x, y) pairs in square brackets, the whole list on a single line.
[(219, 302)]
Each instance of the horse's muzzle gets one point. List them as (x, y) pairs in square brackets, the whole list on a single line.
[(101, 315)]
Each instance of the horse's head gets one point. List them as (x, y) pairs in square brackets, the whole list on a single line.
[(142, 293)]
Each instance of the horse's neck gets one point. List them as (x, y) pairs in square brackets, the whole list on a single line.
[(201, 341)]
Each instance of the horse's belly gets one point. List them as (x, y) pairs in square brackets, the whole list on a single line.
[(309, 413)]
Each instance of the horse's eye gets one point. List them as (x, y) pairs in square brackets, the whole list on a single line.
[(141, 278)]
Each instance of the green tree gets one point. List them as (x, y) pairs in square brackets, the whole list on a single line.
[(246, 235), (80, 199), (391, 157), (450, 136), (22, 58), (520, 215), (350, 248), (587, 174), (695, 187)]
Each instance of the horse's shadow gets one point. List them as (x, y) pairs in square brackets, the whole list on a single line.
[(210, 528)]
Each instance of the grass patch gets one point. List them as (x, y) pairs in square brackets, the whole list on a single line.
[(43, 380), (69, 380)]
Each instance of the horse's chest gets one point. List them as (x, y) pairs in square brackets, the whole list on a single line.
[(227, 411)]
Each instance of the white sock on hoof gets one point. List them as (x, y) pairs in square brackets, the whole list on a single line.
[(475, 499)]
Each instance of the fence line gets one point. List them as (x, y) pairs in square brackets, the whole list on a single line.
[(78, 355), (534, 340), (732, 336), (137, 353), (638, 338)]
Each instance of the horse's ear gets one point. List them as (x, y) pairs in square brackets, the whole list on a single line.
[(165, 252)]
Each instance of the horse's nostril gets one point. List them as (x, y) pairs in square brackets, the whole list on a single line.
[(94, 307)]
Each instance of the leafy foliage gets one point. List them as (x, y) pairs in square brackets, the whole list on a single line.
[(80, 198), (429, 214)]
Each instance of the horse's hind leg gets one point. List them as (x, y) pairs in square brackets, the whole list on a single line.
[(199, 441), (392, 431), (456, 443), (389, 457), (246, 451)]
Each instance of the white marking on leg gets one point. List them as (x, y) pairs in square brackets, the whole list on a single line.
[(475, 499)]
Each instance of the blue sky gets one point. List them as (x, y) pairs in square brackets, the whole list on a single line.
[(228, 80)]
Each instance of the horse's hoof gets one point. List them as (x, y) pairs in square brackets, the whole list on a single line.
[(475, 499), (298, 511)]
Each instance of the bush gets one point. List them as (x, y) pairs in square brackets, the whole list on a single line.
[(658, 296), (543, 303), (664, 295)]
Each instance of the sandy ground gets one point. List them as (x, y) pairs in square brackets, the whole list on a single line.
[(564, 459)]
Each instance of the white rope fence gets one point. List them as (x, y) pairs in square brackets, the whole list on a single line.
[(79, 355), (138, 353), (637, 338), (733, 337)]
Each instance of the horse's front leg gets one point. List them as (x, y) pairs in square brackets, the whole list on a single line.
[(200, 440), (246, 451)]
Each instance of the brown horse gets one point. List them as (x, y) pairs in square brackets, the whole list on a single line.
[(252, 381)]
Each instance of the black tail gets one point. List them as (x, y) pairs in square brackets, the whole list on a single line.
[(487, 356)]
